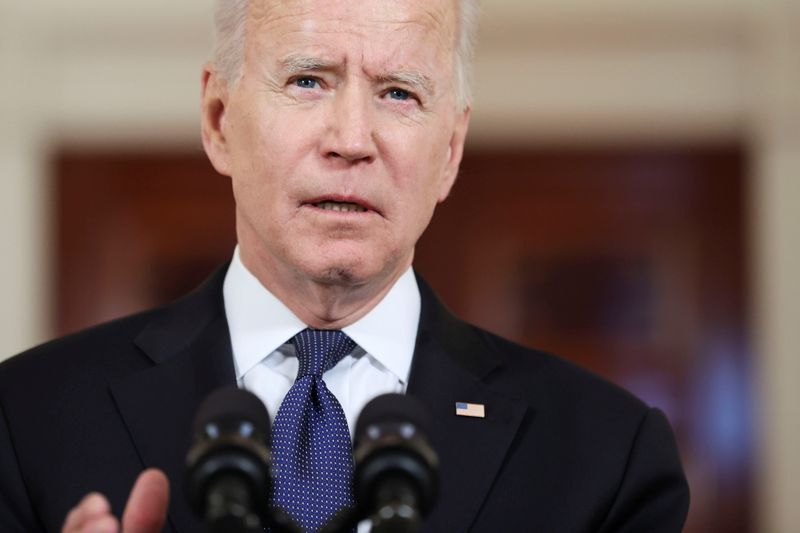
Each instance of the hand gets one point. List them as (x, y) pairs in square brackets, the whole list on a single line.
[(145, 512)]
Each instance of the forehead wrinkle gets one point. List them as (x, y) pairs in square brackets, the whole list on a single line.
[(261, 14), (436, 19)]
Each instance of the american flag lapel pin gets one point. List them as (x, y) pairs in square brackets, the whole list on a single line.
[(473, 410)]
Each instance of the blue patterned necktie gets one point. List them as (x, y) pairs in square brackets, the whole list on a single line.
[(312, 458)]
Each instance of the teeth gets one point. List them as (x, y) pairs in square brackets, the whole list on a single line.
[(341, 206)]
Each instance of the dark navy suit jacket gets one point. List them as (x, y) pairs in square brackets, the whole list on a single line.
[(560, 450)]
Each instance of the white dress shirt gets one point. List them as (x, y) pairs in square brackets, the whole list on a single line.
[(261, 327)]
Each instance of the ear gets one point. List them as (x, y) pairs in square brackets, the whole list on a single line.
[(213, 103), (455, 150)]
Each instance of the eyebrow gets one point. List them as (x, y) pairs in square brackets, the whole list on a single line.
[(296, 64), (411, 78)]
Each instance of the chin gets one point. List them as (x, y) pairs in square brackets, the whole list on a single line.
[(338, 276), (344, 274), (351, 270)]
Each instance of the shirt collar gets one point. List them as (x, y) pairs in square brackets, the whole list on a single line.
[(260, 323), (388, 332)]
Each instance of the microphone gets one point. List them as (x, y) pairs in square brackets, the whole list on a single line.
[(396, 473), (227, 468)]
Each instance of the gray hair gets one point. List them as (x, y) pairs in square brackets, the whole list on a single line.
[(229, 42)]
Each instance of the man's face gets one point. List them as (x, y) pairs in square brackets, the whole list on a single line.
[(341, 136)]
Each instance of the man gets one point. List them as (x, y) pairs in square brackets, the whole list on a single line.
[(341, 125)]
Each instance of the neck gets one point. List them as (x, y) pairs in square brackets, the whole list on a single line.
[(323, 304)]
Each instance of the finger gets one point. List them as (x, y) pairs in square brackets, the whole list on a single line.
[(146, 510), (92, 506), (101, 524)]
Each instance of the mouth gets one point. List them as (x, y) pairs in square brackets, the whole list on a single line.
[(338, 204), (345, 207)]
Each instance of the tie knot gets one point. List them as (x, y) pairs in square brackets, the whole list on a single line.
[(318, 350)]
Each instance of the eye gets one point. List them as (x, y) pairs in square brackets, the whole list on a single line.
[(306, 82), (399, 94)]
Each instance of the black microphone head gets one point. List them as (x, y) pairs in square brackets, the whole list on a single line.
[(227, 468), (395, 462), (231, 406), (397, 408)]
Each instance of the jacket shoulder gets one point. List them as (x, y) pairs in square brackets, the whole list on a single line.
[(116, 347), (79, 356)]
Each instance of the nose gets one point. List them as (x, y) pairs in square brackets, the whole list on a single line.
[(350, 132)]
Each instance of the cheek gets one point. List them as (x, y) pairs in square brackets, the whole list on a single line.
[(419, 196), (267, 150), (424, 162)]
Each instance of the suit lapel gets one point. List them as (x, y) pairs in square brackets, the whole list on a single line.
[(189, 344), (452, 363)]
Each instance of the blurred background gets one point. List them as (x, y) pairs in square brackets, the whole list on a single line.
[(629, 199)]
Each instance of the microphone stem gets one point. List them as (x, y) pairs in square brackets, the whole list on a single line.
[(229, 507), (397, 509)]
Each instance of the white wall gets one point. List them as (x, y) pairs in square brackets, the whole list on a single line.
[(111, 72), (23, 275), (776, 145)]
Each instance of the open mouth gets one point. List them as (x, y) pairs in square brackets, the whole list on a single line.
[(341, 204), (344, 207)]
